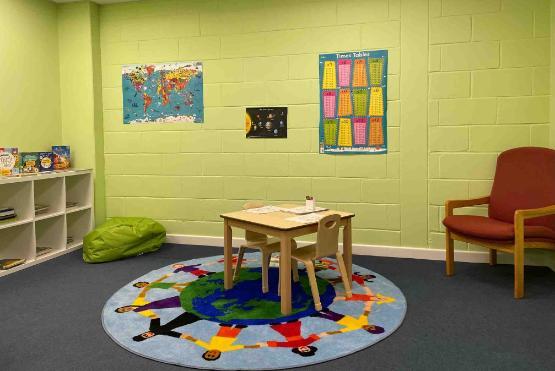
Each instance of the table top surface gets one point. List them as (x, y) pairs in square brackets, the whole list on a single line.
[(278, 219)]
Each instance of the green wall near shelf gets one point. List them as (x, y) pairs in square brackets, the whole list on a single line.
[(29, 75)]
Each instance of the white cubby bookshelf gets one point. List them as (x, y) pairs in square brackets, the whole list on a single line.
[(20, 237)]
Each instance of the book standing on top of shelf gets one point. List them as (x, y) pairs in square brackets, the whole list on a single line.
[(61, 157), (46, 162), (29, 162), (9, 161)]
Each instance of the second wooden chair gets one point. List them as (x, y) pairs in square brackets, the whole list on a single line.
[(327, 243)]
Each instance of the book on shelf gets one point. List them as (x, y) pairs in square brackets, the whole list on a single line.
[(40, 209), (10, 263), (43, 250), (71, 204), (61, 157), (69, 239), (29, 162), (7, 213), (9, 161)]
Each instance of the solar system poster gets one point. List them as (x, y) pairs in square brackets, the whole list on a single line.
[(266, 122)]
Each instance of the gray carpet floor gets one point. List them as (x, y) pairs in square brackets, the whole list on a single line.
[(50, 316)]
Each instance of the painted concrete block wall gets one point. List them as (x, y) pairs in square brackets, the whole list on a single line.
[(80, 81), (254, 53), (30, 107), (489, 90)]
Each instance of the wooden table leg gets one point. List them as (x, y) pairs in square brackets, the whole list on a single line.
[(285, 273), (228, 256), (348, 249)]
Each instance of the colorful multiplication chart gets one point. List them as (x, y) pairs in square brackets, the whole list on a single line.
[(345, 72), (345, 104), (353, 104)]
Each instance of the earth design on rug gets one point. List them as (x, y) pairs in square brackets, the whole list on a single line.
[(181, 314), (207, 299)]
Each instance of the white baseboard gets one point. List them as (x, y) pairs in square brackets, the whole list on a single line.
[(358, 249)]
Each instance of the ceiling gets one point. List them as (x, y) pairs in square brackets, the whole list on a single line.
[(96, 1)]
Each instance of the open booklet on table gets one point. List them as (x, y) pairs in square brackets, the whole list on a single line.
[(299, 210)]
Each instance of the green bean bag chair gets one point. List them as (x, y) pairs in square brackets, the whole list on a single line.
[(123, 237)]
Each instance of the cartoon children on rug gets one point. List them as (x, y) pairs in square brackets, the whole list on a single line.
[(193, 269), (291, 331), (156, 329), (142, 306), (349, 323), (222, 342), (357, 277)]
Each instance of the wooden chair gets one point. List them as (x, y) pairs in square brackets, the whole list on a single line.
[(521, 211), (266, 246), (327, 243)]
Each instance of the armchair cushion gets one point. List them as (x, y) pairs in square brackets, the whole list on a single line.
[(524, 179), (492, 229)]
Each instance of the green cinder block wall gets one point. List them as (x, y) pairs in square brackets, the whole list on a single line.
[(80, 88), (30, 103), (254, 53), (467, 80)]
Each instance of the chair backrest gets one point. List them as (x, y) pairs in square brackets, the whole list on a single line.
[(327, 238), (524, 179), (254, 236)]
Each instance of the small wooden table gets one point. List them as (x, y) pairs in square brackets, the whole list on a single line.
[(275, 224)]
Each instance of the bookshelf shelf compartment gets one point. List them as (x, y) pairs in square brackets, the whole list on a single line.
[(50, 193), (78, 191), (18, 196), (51, 233), (18, 242), (78, 225), (20, 237)]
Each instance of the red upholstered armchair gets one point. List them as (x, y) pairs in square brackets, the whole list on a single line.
[(521, 211)]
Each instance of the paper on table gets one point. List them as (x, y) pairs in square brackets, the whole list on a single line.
[(302, 210), (307, 218), (263, 210)]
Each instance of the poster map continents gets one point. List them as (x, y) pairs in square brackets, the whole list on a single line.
[(166, 92)]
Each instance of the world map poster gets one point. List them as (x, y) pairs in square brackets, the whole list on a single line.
[(166, 92), (353, 102)]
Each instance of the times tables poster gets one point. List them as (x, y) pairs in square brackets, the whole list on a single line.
[(353, 102)]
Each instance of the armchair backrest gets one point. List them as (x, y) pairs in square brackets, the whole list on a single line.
[(327, 237), (251, 236), (524, 179)]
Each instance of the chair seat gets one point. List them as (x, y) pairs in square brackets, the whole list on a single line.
[(269, 245), (492, 229), (305, 253)]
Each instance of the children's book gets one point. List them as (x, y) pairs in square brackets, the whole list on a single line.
[(9, 161), (46, 162), (61, 157), (29, 162), (10, 263)]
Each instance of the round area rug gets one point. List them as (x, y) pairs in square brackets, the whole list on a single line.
[(180, 314)]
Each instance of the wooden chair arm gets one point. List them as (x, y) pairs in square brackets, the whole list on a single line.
[(455, 204), (521, 215), (534, 213)]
